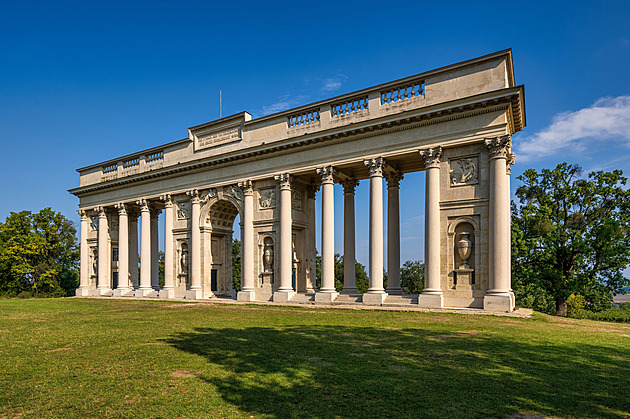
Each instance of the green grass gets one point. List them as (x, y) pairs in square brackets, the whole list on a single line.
[(114, 358)]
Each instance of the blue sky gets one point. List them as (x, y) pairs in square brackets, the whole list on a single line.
[(83, 82)]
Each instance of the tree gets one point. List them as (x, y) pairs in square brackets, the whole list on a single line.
[(161, 268), (570, 235), (412, 277), (360, 274), (38, 254), (236, 264)]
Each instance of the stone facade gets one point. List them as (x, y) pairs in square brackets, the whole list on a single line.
[(455, 123)]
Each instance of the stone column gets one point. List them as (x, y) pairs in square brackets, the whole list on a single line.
[(349, 254), (327, 293), (123, 252), (169, 249), (499, 297), (104, 258), (285, 291), (247, 292), (133, 248), (376, 293), (84, 279), (432, 294), (145, 289), (393, 232), (311, 190), (195, 291), (155, 250)]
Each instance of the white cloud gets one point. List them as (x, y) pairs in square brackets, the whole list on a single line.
[(334, 83), (285, 102), (607, 119)]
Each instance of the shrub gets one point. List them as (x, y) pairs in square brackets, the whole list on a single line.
[(575, 306)]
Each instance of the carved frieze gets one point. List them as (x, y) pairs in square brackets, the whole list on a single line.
[(267, 199), (183, 210), (296, 200), (464, 171)]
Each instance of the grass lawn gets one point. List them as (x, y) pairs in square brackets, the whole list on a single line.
[(115, 358)]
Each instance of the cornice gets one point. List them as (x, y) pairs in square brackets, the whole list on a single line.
[(502, 100)]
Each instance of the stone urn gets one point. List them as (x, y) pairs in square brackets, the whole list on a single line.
[(184, 261), (268, 257), (464, 248)]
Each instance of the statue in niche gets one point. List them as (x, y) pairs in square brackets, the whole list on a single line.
[(183, 262), (464, 171), (94, 223), (267, 199), (268, 256)]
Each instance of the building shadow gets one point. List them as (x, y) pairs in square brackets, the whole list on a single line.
[(337, 371)]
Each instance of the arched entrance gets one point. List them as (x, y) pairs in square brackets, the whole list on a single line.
[(218, 216)]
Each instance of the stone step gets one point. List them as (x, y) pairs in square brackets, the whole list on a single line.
[(348, 299), (300, 298), (401, 300)]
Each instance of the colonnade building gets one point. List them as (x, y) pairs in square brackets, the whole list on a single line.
[(455, 123)]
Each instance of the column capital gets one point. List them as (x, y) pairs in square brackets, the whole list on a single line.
[(121, 207), (168, 202), (499, 147), (327, 173), (101, 211), (284, 179), (511, 159), (431, 156), (145, 204), (194, 196), (155, 212), (348, 185), (393, 178), (311, 190), (376, 166), (247, 186), (83, 214)]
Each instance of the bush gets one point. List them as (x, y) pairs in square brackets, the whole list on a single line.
[(575, 306), (611, 315)]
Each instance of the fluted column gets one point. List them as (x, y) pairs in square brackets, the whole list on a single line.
[(393, 232), (123, 251), (169, 249), (499, 297), (145, 250), (247, 292), (327, 291), (132, 216), (432, 294), (104, 258), (349, 252), (155, 250), (376, 293), (84, 279), (285, 290), (195, 247)]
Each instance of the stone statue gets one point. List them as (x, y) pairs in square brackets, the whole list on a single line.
[(268, 257), (464, 249)]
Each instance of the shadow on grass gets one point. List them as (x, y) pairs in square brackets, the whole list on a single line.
[(329, 371)]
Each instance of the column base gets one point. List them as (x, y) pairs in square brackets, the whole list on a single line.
[(146, 293), (499, 302), (283, 296), (431, 300), (167, 293), (374, 299), (246, 296), (82, 292), (325, 297), (194, 295), (349, 291), (128, 292)]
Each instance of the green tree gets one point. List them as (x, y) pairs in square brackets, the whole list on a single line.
[(361, 277), (412, 277), (570, 235), (236, 264), (161, 268), (38, 254)]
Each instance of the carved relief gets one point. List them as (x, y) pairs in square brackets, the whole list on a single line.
[(211, 193), (183, 210), (464, 171), (296, 198), (234, 191), (267, 199)]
